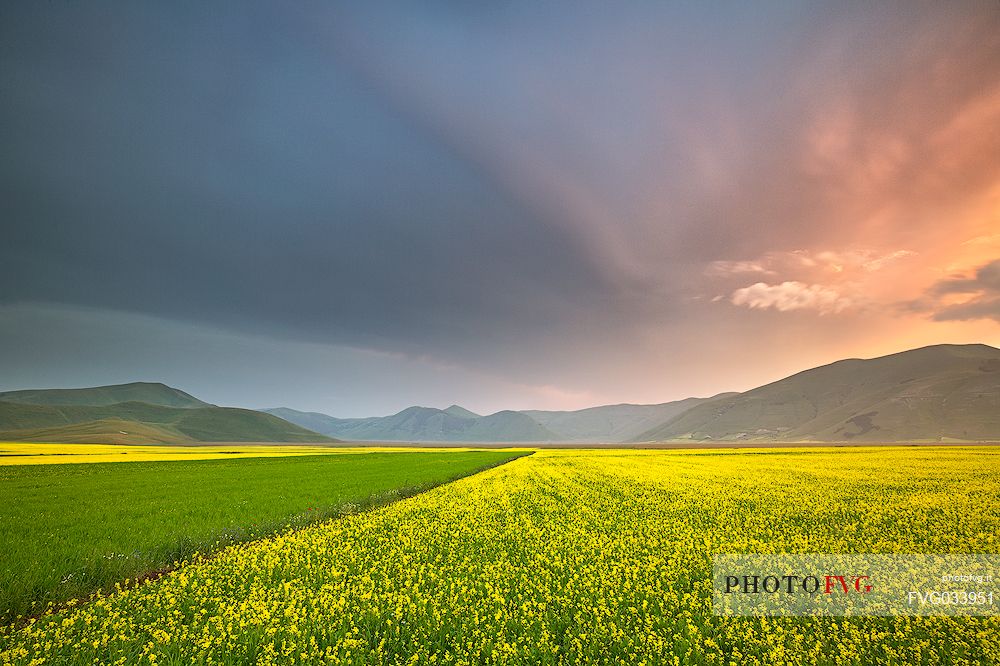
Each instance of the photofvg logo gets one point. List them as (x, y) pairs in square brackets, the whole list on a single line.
[(792, 584), (855, 584)]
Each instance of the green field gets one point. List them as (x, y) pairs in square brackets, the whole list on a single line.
[(71, 529)]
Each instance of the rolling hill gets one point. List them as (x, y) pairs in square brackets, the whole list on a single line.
[(61, 415), (148, 392), (103, 431), (931, 393)]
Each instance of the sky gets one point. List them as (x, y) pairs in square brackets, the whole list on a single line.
[(356, 207)]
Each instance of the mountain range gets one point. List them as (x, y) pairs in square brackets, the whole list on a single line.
[(607, 423), (941, 392), (936, 393), (427, 424)]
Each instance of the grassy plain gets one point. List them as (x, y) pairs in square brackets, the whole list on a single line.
[(563, 557), (70, 529)]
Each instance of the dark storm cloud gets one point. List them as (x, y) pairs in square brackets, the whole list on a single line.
[(224, 167)]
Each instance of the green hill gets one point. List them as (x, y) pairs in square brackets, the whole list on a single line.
[(104, 431), (932, 393), (148, 392), (57, 415)]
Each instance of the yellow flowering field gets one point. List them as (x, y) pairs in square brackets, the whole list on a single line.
[(562, 557)]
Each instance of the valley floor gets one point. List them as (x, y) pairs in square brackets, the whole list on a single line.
[(563, 557)]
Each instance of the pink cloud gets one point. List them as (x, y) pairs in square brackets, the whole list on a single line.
[(789, 296)]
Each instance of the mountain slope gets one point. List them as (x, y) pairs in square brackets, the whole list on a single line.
[(942, 391), (103, 431), (144, 422), (612, 423), (315, 421), (148, 392), (426, 424), (507, 426)]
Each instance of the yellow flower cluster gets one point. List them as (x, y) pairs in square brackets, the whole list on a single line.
[(561, 558)]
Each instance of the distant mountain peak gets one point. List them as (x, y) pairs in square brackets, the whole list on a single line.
[(461, 412)]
